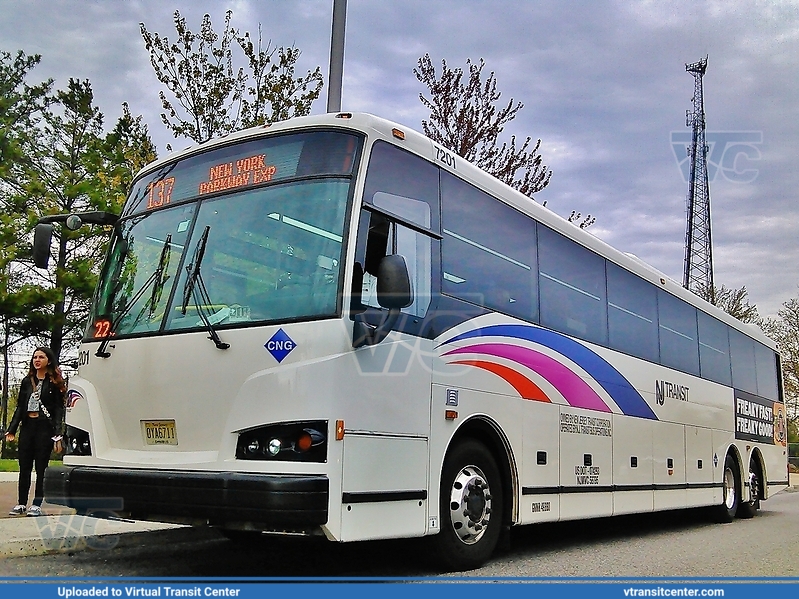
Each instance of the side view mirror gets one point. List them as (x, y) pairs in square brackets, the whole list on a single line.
[(43, 233), (42, 236), (394, 283), (393, 292)]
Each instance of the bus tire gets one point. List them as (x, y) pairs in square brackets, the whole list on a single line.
[(470, 508), (731, 491), (748, 509)]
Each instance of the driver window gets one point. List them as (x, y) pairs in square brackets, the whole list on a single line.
[(387, 237), (399, 184)]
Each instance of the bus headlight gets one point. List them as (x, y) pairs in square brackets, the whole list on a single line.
[(274, 447), (77, 442), (285, 442)]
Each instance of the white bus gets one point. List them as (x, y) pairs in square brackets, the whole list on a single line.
[(334, 326)]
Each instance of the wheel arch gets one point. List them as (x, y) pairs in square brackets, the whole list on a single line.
[(735, 453), (485, 430)]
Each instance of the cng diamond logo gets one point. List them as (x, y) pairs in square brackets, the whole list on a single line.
[(280, 345)]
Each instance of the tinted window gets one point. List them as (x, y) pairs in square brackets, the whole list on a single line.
[(744, 372), (404, 186), (387, 237), (271, 253), (679, 347), (572, 284), (395, 172), (714, 350), (632, 314), (488, 251), (245, 165), (766, 365)]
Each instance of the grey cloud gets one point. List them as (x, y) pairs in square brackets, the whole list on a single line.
[(603, 84)]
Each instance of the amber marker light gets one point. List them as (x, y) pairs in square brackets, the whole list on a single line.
[(398, 134), (450, 414), (304, 442), (339, 430)]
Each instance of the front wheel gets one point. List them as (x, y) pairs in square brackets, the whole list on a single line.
[(470, 508), (732, 491)]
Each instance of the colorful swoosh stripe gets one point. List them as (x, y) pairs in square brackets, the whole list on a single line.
[(72, 398), (568, 383), (526, 388)]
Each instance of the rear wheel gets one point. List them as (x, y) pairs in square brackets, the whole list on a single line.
[(749, 508), (732, 491), (470, 508)]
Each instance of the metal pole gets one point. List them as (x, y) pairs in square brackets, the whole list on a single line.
[(336, 73)]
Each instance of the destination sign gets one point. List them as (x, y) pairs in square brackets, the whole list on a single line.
[(242, 166), (246, 171)]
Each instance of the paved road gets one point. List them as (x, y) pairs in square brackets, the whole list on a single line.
[(674, 544)]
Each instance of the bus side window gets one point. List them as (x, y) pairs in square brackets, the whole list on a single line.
[(488, 251), (385, 237), (402, 185)]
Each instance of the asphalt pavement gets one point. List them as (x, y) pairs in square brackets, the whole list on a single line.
[(59, 529)]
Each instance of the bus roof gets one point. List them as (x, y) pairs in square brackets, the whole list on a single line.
[(379, 128)]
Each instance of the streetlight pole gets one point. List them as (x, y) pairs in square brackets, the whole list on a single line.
[(336, 72)]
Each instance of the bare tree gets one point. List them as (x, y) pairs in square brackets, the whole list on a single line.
[(211, 95), (734, 302), (785, 331), (465, 118)]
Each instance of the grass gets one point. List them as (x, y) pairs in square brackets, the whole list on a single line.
[(9, 465)]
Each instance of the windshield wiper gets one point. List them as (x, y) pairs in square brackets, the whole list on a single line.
[(160, 281), (158, 277), (195, 286)]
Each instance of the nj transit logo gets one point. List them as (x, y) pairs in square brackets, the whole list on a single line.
[(280, 345)]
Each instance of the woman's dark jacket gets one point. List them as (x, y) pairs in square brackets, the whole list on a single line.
[(52, 398)]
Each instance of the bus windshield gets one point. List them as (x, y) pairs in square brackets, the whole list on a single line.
[(210, 241)]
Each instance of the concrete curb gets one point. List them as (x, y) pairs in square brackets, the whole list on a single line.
[(24, 536), (63, 531)]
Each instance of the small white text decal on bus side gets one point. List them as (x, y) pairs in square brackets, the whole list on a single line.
[(280, 345)]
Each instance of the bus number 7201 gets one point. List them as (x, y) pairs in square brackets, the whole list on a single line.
[(445, 157)]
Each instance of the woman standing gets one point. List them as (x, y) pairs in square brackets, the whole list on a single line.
[(40, 406)]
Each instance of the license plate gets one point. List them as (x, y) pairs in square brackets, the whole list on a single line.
[(159, 432)]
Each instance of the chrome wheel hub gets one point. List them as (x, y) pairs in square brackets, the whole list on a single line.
[(729, 488), (470, 504)]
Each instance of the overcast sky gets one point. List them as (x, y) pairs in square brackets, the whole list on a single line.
[(603, 85)]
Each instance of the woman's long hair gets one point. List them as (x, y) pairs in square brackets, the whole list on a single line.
[(53, 372)]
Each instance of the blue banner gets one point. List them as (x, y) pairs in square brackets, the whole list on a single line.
[(369, 588)]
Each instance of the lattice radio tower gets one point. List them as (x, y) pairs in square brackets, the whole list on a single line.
[(698, 276)]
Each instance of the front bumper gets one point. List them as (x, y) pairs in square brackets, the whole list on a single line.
[(265, 501)]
